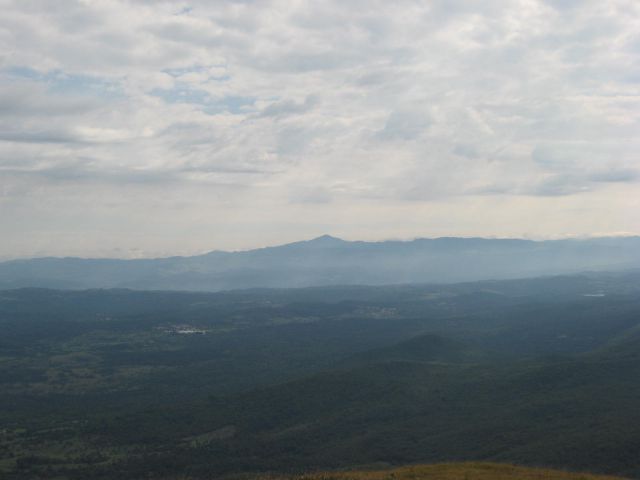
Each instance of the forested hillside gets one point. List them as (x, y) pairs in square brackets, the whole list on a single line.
[(104, 383)]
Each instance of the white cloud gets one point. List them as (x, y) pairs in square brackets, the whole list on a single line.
[(248, 112)]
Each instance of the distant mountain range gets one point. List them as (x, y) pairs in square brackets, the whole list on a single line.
[(328, 260)]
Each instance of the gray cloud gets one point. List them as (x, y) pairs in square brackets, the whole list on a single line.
[(273, 117), (613, 175), (404, 125), (28, 98), (289, 107), (557, 185), (51, 136), (465, 150)]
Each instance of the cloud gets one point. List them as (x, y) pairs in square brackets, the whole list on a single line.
[(244, 111), (289, 107), (404, 125), (612, 175), (29, 98)]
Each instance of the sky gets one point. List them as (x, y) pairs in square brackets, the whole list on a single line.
[(151, 128)]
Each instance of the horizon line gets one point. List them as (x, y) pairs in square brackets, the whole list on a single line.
[(320, 238)]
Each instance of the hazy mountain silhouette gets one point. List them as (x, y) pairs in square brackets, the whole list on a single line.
[(327, 260)]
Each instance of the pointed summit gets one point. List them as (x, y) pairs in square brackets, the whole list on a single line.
[(326, 240)]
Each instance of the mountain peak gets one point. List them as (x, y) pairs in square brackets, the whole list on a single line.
[(326, 239)]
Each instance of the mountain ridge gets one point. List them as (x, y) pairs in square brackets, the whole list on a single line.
[(328, 260), (326, 238)]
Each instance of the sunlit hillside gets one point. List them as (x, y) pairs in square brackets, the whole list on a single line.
[(453, 471)]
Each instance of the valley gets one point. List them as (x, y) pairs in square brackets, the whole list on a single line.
[(98, 383)]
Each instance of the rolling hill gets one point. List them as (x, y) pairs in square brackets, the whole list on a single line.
[(106, 384)]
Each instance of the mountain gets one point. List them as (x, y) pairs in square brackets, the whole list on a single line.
[(328, 260)]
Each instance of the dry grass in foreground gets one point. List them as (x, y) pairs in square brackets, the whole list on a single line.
[(452, 471)]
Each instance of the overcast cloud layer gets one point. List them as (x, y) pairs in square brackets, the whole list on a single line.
[(147, 128)]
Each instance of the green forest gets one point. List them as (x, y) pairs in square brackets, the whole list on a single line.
[(131, 384)]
